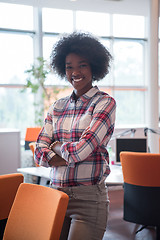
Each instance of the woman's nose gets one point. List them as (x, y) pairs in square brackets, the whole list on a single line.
[(76, 72)]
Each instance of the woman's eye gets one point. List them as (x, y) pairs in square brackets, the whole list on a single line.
[(83, 65), (68, 67)]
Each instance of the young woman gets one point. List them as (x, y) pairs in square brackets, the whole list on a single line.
[(75, 135)]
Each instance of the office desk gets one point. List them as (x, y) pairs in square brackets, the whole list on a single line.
[(42, 173), (115, 178)]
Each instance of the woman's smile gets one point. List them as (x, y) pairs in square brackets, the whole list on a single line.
[(77, 80)]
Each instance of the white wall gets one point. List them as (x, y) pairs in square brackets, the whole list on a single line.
[(9, 151)]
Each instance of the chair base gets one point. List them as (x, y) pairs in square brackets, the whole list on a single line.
[(143, 227), (157, 231)]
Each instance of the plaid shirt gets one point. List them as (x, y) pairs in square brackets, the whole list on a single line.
[(84, 126)]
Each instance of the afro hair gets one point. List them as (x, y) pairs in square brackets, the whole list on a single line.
[(85, 45)]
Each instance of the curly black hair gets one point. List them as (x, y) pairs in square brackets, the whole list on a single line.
[(85, 45)]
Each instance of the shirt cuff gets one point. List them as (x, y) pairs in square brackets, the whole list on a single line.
[(44, 161), (66, 155)]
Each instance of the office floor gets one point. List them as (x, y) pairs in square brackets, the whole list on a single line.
[(118, 229)]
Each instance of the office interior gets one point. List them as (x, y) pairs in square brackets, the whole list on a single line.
[(133, 80)]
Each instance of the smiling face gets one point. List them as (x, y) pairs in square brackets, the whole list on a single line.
[(78, 73)]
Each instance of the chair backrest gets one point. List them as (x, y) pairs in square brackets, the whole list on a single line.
[(31, 135), (37, 213), (141, 168), (141, 187), (9, 184)]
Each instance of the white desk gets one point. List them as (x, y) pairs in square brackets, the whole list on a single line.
[(115, 178)]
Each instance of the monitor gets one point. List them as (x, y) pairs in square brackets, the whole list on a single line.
[(130, 144)]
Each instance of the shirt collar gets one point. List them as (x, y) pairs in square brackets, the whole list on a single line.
[(85, 96)]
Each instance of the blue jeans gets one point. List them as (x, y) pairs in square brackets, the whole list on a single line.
[(87, 212)]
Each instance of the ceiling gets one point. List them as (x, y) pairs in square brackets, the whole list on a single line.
[(135, 7)]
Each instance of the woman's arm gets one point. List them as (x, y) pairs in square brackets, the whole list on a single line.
[(45, 156), (98, 133), (57, 161)]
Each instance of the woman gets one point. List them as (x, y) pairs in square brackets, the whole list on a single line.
[(75, 135)]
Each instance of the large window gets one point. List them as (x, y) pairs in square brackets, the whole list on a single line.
[(97, 23), (16, 56), (128, 63), (130, 107), (128, 26), (16, 16), (57, 20), (123, 35), (16, 48), (16, 109)]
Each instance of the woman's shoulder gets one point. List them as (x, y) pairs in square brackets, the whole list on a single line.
[(105, 97), (104, 102), (61, 101), (59, 104)]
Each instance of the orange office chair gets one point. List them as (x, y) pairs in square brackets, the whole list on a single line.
[(31, 136), (37, 213), (9, 184), (141, 188)]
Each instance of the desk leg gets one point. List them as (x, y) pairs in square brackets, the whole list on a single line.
[(38, 180), (44, 181)]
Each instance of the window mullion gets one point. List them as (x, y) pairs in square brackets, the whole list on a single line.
[(38, 38)]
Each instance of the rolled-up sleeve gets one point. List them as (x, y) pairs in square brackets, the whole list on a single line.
[(42, 152)]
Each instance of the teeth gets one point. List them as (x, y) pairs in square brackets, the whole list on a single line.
[(77, 80)]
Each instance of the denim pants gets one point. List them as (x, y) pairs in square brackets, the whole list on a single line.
[(87, 212)]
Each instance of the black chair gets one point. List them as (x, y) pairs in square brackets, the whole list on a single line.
[(141, 172)]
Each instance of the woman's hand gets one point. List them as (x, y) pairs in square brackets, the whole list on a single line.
[(57, 161), (56, 147)]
